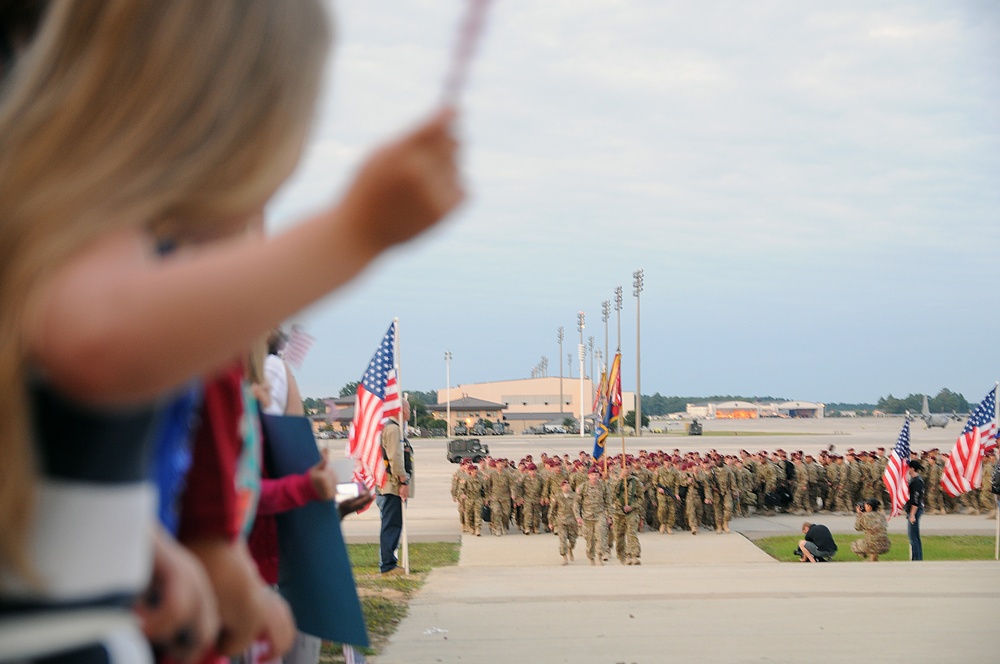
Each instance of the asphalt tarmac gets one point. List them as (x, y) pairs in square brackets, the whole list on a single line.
[(705, 598)]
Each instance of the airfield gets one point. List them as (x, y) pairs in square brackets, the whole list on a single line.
[(706, 598)]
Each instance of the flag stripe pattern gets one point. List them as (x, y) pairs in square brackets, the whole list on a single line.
[(895, 475), (377, 399), (610, 407), (299, 343), (964, 470)]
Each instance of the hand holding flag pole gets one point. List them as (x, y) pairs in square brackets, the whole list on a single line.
[(465, 47)]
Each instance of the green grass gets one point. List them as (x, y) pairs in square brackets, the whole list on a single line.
[(936, 547), (385, 601), (739, 434)]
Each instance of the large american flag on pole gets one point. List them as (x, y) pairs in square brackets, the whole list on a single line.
[(964, 470), (895, 474), (376, 401)]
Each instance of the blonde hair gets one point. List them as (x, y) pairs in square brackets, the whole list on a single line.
[(125, 113)]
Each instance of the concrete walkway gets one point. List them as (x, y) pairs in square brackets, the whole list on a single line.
[(704, 598)]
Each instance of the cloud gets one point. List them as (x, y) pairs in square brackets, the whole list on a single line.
[(794, 178)]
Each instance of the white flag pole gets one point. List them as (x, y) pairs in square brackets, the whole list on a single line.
[(404, 543)]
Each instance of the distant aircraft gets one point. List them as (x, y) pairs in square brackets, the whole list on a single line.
[(936, 420)]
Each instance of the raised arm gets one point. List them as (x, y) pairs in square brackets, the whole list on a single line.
[(118, 324)]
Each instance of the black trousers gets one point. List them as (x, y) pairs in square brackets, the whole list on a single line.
[(391, 508)]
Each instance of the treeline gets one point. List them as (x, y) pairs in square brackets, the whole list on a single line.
[(945, 401)]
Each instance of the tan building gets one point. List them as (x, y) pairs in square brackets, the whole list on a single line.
[(529, 402), (468, 411)]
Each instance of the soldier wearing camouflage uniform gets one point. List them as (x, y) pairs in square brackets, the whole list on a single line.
[(531, 494), (500, 494), (692, 500), (456, 495), (800, 490), (473, 492), (564, 520), (667, 481), (872, 523), (935, 496), (769, 482), (721, 486), (593, 512), (627, 495)]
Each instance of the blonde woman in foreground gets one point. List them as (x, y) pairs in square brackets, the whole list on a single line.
[(125, 127)]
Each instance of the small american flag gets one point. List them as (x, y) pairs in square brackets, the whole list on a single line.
[(376, 401), (896, 470), (299, 343), (964, 470)]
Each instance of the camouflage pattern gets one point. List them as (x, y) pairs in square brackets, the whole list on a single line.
[(531, 494), (593, 507), (473, 492), (876, 539), (627, 501), (564, 520)]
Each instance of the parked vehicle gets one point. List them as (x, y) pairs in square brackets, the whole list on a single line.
[(461, 449)]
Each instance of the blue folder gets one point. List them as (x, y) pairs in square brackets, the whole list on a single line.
[(314, 573)]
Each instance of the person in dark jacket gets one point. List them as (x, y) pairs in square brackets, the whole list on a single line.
[(817, 545), (914, 508)]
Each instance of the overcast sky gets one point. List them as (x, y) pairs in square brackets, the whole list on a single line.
[(812, 189)]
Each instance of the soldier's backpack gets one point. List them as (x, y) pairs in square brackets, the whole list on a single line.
[(995, 483)]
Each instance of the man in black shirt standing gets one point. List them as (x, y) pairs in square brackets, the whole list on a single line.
[(818, 543), (914, 507)]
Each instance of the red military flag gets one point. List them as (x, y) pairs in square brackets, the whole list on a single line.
[(964, 470), (377, 400)]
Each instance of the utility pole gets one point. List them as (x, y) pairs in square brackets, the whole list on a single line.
[(561, 336), (582, 351), (637, 289)]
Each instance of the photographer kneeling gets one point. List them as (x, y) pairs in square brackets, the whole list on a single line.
[(818, 545), (870, 520)]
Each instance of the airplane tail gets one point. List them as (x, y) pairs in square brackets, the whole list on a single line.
[(927, 410)]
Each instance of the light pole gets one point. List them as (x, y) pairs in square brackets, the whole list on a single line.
[(605, 315), (590, 351), (582, 352), (637, 289), (561, 336), (618, 315), (447, 371)]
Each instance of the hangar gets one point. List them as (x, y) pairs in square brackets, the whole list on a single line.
[(737, 410), (802, 409)]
